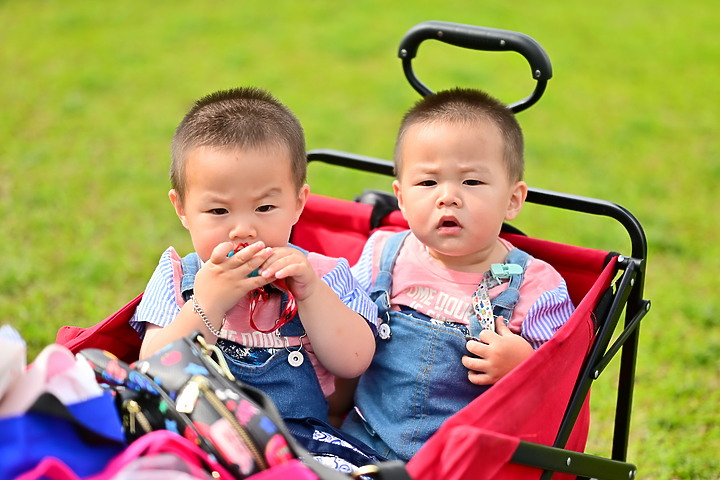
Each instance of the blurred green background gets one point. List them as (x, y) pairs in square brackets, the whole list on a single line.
[(92, 91)]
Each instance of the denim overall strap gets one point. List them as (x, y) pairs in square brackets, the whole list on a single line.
[(504, 304), (380, 292), (190, 267)]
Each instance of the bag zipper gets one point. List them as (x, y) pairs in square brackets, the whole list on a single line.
[(201, 385), (135, 414)]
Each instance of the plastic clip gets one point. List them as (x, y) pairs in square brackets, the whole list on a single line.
[(502, 271)]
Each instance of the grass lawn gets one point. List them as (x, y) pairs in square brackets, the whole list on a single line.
[(91, 94)]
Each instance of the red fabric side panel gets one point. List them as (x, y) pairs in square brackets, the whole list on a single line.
[(470, 453), (579, 266), (332, 227), (395, 220), (113, 334), (527, 404)]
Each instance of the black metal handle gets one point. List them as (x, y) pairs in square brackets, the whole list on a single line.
[(477, 38)]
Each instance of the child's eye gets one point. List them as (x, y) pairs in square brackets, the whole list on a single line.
[(265, 208), (473, 183), (218, 211), (427, 183)]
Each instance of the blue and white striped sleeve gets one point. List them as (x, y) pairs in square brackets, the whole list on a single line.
[(344, 284), (362, 270), (158, 305), (550, 312)]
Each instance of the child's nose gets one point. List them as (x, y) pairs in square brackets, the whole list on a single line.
[(447, 196), (242, 231)]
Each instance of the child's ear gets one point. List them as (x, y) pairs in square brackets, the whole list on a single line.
[(303, 195), (179, 209), (398, 194), (517, 200)]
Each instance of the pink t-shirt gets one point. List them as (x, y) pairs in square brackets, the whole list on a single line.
[(424, 284)]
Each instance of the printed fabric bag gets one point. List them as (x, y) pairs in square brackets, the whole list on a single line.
[(187, 388)]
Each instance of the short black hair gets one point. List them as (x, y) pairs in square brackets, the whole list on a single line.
[(247, 117), (466, 105)]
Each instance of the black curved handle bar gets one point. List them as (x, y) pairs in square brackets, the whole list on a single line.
[(477, 38)]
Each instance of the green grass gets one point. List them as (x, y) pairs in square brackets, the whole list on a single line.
[(91, 93)]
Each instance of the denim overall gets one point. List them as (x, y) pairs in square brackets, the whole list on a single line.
[(296, 391), (416, 380)]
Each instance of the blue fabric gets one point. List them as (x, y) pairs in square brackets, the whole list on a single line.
[(416, 380), (321, 439), (295, 391), (504, 304), (85, 436)]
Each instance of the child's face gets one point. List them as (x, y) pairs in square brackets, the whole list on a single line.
[(455, 193), (239, 195)]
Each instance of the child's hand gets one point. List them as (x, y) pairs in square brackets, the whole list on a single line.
[(223, 281), (499, 352), (291, 265)]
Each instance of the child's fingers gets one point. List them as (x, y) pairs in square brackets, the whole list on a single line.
[(255, 263), (500, 327), (282, 263), (477, 378), (487, 336), (476, 347), (480, 371), (221, 251), (475, 364), (282, 268), (477, 370), (242, 255)]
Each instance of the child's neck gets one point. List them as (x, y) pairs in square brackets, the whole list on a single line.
[(476, 262)]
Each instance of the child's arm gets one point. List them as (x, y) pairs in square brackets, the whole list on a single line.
[(499, 353), (341, 338), (219, 285), (342, 400)]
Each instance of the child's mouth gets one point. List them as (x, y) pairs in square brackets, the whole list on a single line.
[(448, 224)]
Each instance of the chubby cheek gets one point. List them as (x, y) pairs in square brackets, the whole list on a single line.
[(419, 223), (204, 243), (417, 211), (204, 250)]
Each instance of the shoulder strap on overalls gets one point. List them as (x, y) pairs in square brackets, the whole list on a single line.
[(380, 292), (190, 267), (504, 304)]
